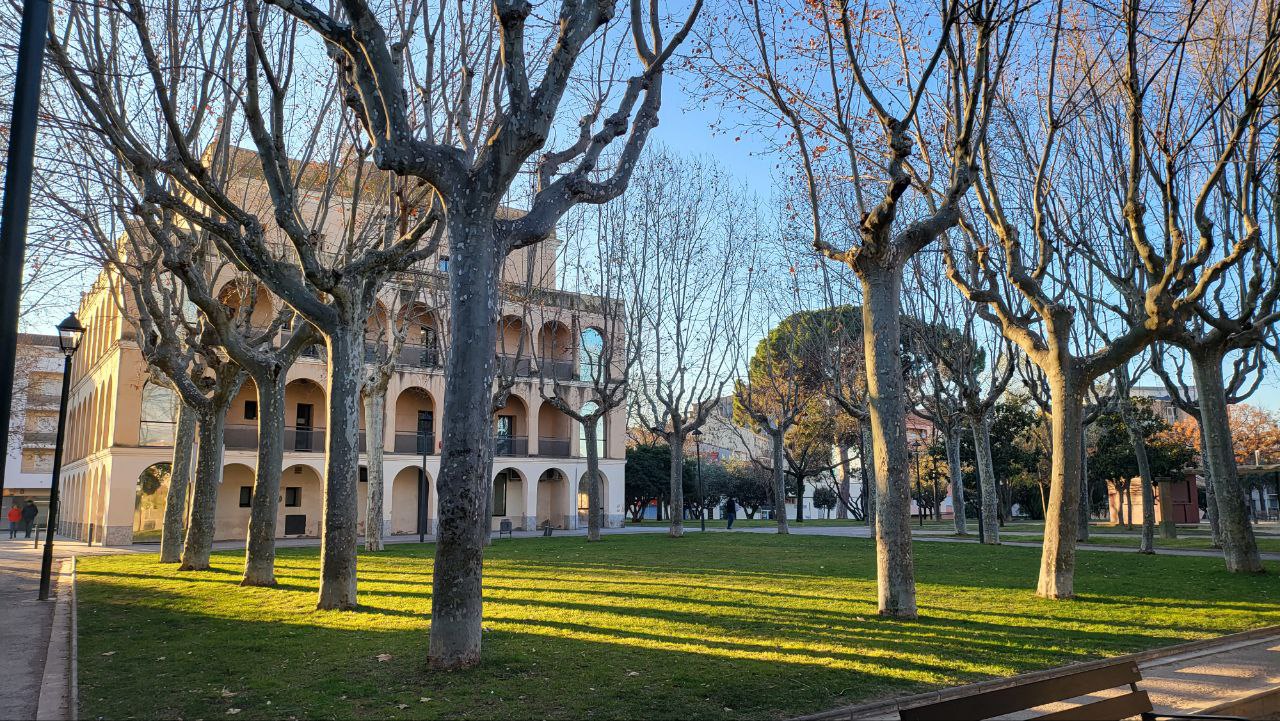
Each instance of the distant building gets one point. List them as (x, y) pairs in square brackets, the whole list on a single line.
[(723, 441), (33, 425), (1162, 403)]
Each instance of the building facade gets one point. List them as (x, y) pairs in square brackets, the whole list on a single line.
[(122, 415), (33, 424)]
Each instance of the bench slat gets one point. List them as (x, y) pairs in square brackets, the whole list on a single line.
[(1017, 698), (1117, 707)]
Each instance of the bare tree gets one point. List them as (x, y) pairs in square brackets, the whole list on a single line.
[(689, 238), (819, 80)]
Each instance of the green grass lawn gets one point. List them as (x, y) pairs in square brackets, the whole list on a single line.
[(750, 523), (709, 626)]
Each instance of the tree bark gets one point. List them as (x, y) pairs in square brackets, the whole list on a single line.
[(260, 546), (342, 470), (595, 510), (675, 511), (868, 480), (882, 324), (957, 479), (1058, 555), (175, 502), (987, 480), (204, 498), (1210, 499), (1239, 547), (779, 481), (842, 512), (1148, 542), (467, 446), (375, 420)]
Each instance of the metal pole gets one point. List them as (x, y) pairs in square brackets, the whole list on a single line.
[(16, 206), (46, 563), (422, 501), (919, 490)]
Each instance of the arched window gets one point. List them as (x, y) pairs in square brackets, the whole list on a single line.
[(592, 345), (500, 491), (159, 410), (590, 407)]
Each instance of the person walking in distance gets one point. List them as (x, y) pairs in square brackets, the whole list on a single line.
[(730, 513), (29, 513), (15, 517)]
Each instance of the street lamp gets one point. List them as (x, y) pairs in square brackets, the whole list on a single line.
[(702, 498), (69, 334), (919, 489)]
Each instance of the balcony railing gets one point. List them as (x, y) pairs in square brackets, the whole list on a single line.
[(510, 365), (39, 438), (240, 437), (416, 443), (561, 370), (553, 447), (510, 445), (155, 433), (419, 356), (41, 400), (306, 440)]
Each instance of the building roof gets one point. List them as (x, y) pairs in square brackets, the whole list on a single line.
[(38, 339)]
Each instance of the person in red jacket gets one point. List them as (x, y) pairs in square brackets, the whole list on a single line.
[(15, 516)]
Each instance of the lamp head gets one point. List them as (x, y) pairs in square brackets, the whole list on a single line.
[(69, 334)]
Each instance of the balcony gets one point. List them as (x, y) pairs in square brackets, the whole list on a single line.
[(39, 438), (419, 356), (240, 437), (553, 447), (560, 370), (415, 443), (245, 438), (510, 445), (43, 400), (156, 433), (510, 365)]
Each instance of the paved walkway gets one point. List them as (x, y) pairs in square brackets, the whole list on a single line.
[(798, 529)]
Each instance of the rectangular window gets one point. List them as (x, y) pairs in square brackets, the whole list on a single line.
[(246, 496), (251, 410), (293, 496), (500, 495)]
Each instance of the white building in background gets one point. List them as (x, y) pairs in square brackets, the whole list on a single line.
[(33, 424)]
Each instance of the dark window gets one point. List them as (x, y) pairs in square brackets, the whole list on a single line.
[(293, 496), (246, 496), (443, 265), (500, 493), (364, 474), (251, 410)]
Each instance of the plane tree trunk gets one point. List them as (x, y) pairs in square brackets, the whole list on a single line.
[(204, 496), (956, 473), (1058, 555), (1239, 547), (176, 502), (260, 546), (987, 480), (342, 468), (375, 418)]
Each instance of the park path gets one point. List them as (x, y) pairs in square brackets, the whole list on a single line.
[(24, 629), (797, 529)]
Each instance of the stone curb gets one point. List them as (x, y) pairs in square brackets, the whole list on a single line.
[(58, 685), (889, 708)]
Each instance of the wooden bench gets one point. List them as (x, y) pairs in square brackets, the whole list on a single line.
[(998, 702)]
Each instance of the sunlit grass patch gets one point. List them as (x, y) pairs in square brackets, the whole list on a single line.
[(714, 626)]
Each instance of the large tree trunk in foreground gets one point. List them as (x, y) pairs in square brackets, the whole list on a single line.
[(1058, 556), (1210, 498), (375, 419), (338, 535), (986, 480), (957, 479), (882, 324), (779, 481), (204, 497), (675, 511), (1239, 547), (467, 445), (260, 547), (595, 509), (175, 502), (868, 479)]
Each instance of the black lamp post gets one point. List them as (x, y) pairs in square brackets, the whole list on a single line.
[(702, 497), (69, 333), (919, 488)]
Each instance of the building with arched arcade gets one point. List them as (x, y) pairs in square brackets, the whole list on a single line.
[(121, 417)]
